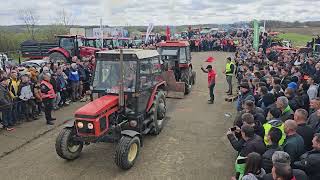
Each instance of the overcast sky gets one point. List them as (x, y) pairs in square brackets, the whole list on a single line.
[(160, 12)]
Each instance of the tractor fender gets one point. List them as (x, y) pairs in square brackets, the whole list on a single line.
[(132, 134), (60, 50), (160, 85), (69, 124)]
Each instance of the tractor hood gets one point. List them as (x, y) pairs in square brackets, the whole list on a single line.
[(95, 108)]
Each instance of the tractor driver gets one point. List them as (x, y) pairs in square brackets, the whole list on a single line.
[(176, 70)]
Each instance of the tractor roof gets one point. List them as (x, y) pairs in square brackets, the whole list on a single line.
[(174, 44), (70, 36), (140, 53)]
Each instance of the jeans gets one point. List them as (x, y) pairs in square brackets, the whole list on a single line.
[(48, 106), (211, 93), (57, 100), (15, 112), (229, 81), (75, 90), (6, 117)]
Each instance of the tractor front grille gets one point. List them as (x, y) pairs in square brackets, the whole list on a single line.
[(85, 129), (103, 123)]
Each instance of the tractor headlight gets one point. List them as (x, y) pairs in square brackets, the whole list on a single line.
[(80, 125), (90, 126), (133, 123)]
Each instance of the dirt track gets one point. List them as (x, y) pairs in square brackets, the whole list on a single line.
[(192, 145)]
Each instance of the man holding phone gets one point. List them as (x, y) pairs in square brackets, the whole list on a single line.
[(211, 81)]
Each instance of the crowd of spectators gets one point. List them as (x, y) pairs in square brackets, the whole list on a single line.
[(277, 128), (21, 96)]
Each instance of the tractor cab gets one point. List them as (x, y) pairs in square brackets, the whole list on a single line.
[(176, 57), (132, 104), (174, 52), (70, 46), (142, 72)]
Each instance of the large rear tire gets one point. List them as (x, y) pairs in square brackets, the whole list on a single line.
[(186, 77), (57, 57), (66, 147), (158, 112), (127, 152)]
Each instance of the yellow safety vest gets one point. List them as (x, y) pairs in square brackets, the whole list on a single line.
[(267, 128), (228, 69)]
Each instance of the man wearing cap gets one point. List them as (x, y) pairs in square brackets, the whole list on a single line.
[(211, 81), (244, 95), (229, 72)]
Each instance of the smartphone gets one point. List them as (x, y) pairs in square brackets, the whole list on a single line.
[(233, 128)]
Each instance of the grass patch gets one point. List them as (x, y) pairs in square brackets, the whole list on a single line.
[(296, 39)]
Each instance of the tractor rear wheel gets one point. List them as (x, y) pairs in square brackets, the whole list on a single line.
[(127, 152), (186, 77), (158, 112), (57, 57), (66, 147)]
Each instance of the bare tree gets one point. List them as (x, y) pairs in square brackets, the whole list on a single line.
[(30, 19), (65, 18)]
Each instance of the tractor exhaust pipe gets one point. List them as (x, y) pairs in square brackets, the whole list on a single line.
[(121, 84)]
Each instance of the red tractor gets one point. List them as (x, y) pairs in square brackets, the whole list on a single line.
[(133, 104), (176, 56), (70, 46)]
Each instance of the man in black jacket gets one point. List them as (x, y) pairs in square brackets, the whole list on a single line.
[(310, 161), (284, 159), (249, 143), (5, 104), (274, 137), (306, 132)]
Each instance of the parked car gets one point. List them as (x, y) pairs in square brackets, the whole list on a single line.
[(38, 64)]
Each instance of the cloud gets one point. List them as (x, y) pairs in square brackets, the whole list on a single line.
[(164, 12)]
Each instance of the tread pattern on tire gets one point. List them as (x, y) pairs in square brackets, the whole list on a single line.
[(61, 146), (122, 150), (156, 130), (185, 77)]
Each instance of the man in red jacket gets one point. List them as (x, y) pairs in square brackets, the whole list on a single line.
[(211, 81), (47, 95)]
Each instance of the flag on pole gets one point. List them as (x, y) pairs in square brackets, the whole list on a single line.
[(256, 34), (149, 30), (168, 33)]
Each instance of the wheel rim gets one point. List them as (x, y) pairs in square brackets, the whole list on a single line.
[(73, 146), (133, 151)]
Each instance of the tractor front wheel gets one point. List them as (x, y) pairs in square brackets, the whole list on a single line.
[(66, 147), (57, 57), (127, 152)]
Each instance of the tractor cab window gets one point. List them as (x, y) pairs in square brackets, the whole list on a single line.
[(183, 55), (108, 43), (150, 70), (80, 42), (90, 42), (169, 54), (107, 76), (67, 43)]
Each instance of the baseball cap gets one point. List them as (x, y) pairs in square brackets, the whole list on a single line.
[(208, 67), (229, 58), (293, 86)]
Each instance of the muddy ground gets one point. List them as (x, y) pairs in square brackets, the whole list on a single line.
[(193, 144)]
